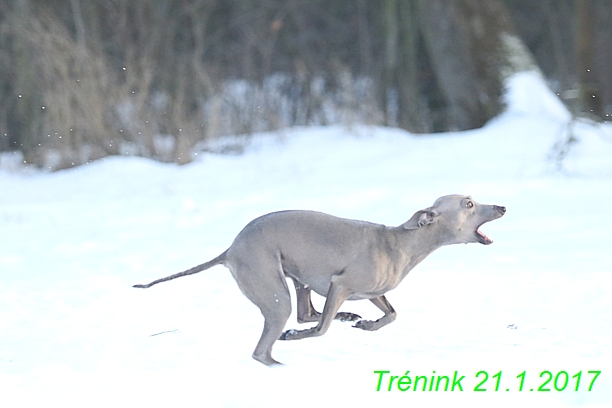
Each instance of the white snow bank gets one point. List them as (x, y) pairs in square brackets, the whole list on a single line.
[(528, 94)]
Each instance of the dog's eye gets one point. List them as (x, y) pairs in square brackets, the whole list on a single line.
[(469, 204)]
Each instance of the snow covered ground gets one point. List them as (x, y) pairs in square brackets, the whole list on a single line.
[(73, 331)]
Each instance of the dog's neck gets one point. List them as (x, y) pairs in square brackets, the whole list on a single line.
[(422, 241)]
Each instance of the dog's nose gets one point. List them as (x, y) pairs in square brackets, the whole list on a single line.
[(501, 209)]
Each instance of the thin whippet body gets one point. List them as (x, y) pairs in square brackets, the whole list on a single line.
[(338, 258)]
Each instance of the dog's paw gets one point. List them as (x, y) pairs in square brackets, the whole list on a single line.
[(347, 317), (287, 335), (365, 325)]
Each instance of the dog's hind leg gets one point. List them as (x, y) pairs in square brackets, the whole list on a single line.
[(265, 285), (273, 327)]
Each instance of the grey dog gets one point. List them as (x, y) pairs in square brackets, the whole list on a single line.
[(338, 258)]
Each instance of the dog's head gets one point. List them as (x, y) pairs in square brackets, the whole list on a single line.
[(458, 218)]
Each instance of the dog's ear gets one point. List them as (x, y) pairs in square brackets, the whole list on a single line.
[(421, 218)]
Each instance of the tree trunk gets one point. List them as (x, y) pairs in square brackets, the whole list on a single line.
[(589, 97), (29, 98), (410, 116), (400, 84), (389, 83), (472, 48)]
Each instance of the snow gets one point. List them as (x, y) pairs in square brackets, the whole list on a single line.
[(73, 330)]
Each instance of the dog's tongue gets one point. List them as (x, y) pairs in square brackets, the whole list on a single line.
[(486, 240)]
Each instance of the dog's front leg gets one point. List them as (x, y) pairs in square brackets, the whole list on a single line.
[(306, 313), (335, 297), (383, 304)]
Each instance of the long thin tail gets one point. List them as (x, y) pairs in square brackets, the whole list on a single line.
[(216, 261)]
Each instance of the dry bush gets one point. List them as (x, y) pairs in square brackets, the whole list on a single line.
[(82, 105), (77, 91)]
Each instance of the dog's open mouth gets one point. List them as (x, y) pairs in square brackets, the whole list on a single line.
[(482, 237)]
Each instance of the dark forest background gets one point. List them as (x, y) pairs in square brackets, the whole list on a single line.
[(83, 79)]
